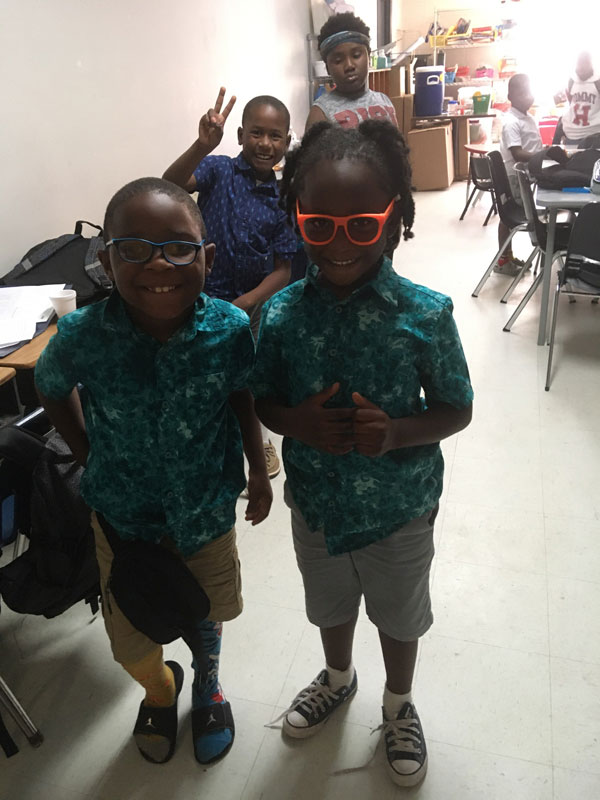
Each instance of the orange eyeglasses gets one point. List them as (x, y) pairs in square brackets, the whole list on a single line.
[(361, 229)]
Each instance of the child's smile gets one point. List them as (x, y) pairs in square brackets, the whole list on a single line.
[(264, 139), (159, 295), (341, 188)]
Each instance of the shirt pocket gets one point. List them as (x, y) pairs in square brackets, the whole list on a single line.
[(205, 390)]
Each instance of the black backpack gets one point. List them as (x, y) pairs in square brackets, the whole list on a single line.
[(59, 568), (568, 172), (71, 258)]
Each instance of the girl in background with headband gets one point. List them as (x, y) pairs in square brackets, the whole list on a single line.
[(344, 46)]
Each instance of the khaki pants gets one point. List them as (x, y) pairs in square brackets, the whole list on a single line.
[(215, 566)]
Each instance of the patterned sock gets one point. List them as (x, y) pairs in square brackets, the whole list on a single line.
[(206, 690)]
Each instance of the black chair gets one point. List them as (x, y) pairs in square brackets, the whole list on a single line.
[(580, 274), (538, 232), (511, 214), (481, 178), (38, 424)]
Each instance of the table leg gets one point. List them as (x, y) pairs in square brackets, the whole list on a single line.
[(547, 280)]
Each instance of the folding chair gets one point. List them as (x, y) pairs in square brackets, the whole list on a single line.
[(481, 178), (511, 214), (580, 274), (538, 231)]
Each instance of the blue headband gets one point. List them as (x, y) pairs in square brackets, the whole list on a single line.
[(331, 42)]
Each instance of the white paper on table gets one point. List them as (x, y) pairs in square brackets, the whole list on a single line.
[(21, 308)]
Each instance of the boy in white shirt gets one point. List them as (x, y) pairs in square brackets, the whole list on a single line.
[(520, 140), (582, 117)]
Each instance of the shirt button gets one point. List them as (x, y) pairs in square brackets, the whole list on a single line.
[(333, 352), (338, 309), (331, 474), (170, 495)]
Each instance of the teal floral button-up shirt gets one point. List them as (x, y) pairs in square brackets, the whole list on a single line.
[(392, 341), (165, 446)]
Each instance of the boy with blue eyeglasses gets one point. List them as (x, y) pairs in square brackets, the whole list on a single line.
[(239, 199), (159, 423)]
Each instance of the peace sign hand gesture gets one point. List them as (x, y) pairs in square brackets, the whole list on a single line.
[(210, 128)]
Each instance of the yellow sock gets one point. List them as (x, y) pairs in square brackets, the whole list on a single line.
[(157, 679)]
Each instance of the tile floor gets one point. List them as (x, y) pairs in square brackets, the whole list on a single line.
[(508, 679)]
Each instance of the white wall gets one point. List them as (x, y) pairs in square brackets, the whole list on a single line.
[(98, 92)]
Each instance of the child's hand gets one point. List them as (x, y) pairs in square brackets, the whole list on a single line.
[(260, 497), (210, 128), (372, 428), (328, 429)]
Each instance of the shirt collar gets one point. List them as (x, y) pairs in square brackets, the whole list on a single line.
[(383, 284), (520, 114), (116, 318), (241, 165)]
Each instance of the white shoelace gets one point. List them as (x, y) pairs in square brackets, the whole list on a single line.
[(316, 696), (405, 734), (398, 728)]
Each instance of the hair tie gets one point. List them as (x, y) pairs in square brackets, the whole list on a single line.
[(331, 42)]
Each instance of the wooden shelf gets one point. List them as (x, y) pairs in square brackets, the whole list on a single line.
[(388, 81), (468, 45)]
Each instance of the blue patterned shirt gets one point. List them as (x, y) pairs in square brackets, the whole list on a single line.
[(165, 446), (390, 340), (244, 220)]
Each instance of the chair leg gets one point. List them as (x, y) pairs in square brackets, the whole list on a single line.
[(523, 303), (488, 272), (520, 274), (490, 212), (470, 197), (552, 334), (10, 703), (20, 545), (478, 196)]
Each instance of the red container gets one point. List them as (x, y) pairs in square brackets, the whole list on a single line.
[(547, 126)]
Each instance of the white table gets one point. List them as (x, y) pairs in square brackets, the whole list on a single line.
[(554, 201)]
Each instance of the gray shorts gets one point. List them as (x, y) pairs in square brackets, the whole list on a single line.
[(516, 191), (392, 574)]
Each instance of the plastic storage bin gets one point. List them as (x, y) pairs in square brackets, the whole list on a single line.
[(429, 91), (481, 103)]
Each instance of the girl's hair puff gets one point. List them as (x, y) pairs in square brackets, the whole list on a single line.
[(376, 142)]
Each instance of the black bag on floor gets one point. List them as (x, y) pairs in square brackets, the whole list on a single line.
[(59, 568), (71, 258)]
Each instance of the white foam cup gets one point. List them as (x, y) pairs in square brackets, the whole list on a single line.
[(64, 301)]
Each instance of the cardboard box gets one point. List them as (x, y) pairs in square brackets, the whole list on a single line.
[(431, 157)]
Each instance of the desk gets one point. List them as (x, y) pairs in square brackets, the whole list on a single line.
[(477, 149), (554, 201), (26, 356)]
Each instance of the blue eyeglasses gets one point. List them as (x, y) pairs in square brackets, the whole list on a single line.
[(140, 251)]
